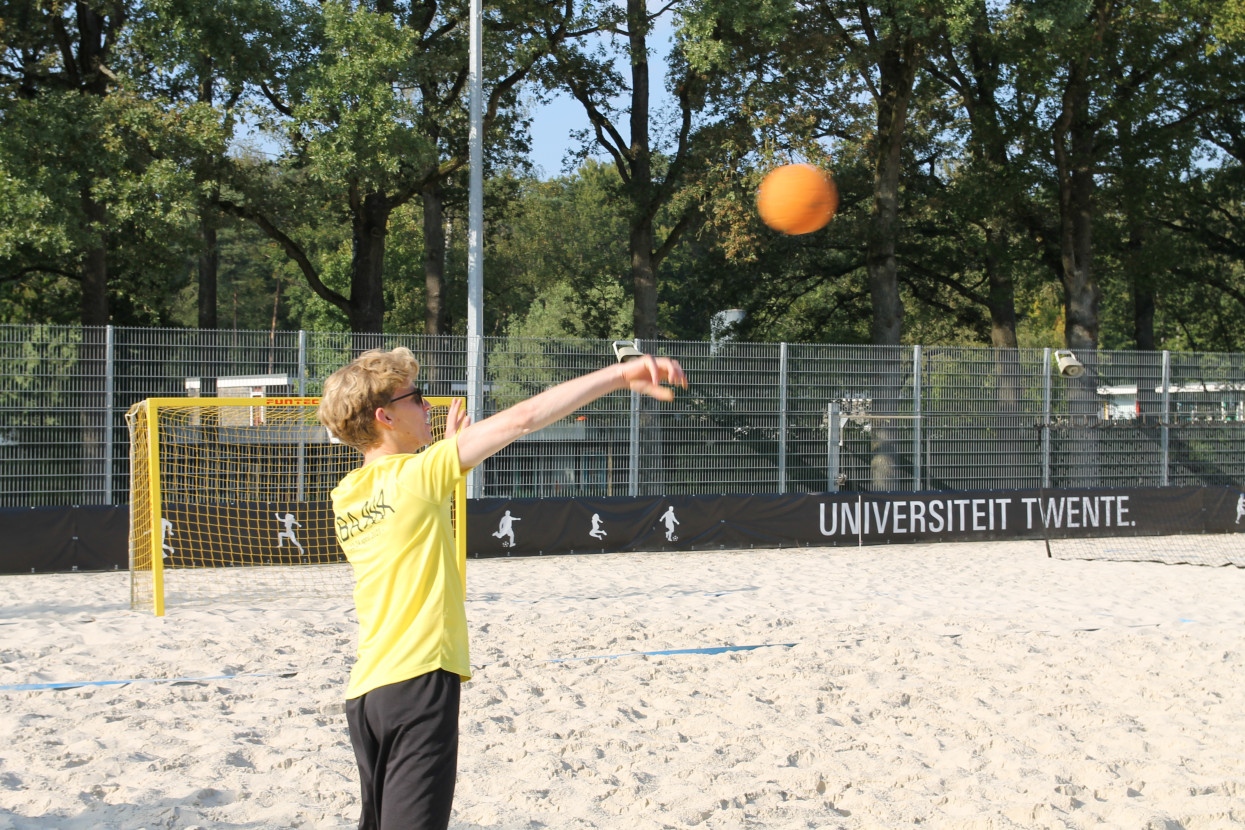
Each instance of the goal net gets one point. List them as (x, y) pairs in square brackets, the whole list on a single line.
[(1172, 525), (229, 501)]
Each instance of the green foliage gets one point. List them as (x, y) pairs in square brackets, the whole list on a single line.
[(560, 258), (131, 157), (351, 114), (1228, 20), (364, 105)]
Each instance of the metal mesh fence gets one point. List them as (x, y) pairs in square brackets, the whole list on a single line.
[(758, 418)]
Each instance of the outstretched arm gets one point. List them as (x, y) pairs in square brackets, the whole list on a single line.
[(646, 375)]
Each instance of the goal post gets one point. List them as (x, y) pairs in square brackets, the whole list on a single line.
[(229, 501)]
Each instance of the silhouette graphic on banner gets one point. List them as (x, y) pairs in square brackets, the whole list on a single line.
[(670, 521), (166, 530), (290, 523), (1240, 508), (505, 529), (271, 533), (597, 532)]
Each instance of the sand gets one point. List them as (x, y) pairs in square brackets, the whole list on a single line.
[(954, 686)]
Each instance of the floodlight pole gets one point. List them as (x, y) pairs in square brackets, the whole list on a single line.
[(475, 234)]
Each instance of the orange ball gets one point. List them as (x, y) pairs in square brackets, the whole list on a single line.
[(797, 198)]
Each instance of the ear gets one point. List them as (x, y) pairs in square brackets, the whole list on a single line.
[(383, 418)]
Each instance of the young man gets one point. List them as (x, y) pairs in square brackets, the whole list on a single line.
[(393, 522)]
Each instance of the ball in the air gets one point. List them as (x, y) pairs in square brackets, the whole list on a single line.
[(797, 198)]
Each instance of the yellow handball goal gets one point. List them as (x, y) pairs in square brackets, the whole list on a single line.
[(229, 501)]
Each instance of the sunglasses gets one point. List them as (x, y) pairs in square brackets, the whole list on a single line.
[(416, 393)]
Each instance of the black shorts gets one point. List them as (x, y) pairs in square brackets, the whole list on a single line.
[(405, 738)]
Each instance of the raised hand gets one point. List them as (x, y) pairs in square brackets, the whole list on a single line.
[(456, 419), (646, 374)]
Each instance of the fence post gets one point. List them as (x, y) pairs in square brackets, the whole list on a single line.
[(475, 403), (633, 444), (1045, 426), (832, 447), (782, 418), (1164, 420), (916, 419), (302, 363), (109, 389)]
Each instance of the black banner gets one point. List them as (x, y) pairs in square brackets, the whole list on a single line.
[(96, 538), (227, 535), (44, 539), (510, 527), (524, 527)]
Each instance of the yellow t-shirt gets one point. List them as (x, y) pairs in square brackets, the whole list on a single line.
[(393, 522)]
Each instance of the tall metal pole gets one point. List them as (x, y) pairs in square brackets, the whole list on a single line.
[(633, 444), (1165, 420), (301, 495), (782, 418), (832, 447), (109, 389), (916, 419), (475, 234), (1046, 419), (302, 363)]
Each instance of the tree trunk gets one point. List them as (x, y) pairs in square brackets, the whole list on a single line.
[(644, 278), (434, 260), (1000, 300), (209, 268), (1150, 370), (1073, 149), (94, 274), (1013, 433), (989, 148), (209, 257), (1081, 292), (367, 296), (1143, 314), (898, 72), (1073, 144), (643, 267)]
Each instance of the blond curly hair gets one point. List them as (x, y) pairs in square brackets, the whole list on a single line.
[(354, 392)]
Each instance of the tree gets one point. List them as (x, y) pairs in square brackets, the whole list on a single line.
[(371, 109), (204, 53), (654, 171), (57, 78), (559, 260), (99, 171), (987, 189)]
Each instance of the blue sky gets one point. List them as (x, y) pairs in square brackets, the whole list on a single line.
[(552, 123)]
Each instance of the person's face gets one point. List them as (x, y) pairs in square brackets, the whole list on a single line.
[(411, 417)]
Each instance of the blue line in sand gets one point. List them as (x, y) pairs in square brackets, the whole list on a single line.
[(77, 684), (711, 650), (633, 595)]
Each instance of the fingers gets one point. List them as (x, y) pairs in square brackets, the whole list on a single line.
[(464, 419), (656, 371), (456, 420), (676, 375), (668, 369)]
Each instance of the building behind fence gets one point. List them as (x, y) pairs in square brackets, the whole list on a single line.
[(758, 418)]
